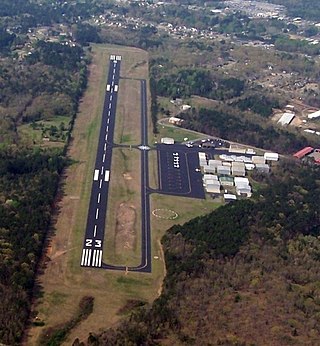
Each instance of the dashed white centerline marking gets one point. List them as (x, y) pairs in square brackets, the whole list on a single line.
[(107, 129), (95, 231), (110, 97), (110, 105), (102, 168), (104, 157), (108, 120), (100, 183), (105, 146), (109, 113), (97, 213), (99, 196)]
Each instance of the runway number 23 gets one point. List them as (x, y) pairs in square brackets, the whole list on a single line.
[(96, 244)]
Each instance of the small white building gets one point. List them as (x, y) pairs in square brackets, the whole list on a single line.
[(286, 118), (262, 167), (228, 197), (167, 140), (314, 115), (175, 121), (223, 170), (258, 159), (185, 107), (236, 149), (238, 168), (271, 156)]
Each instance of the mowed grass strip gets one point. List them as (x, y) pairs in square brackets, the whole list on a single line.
[(123, 227), (128, 129)]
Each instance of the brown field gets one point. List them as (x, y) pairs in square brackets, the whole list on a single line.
[(64, 282)]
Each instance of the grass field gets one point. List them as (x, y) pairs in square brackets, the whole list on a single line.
[(34, 133), (64, 282)]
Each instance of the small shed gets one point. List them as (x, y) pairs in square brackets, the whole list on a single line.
[(167, 140)]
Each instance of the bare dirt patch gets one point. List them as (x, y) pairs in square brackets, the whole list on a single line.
[(126, 233)]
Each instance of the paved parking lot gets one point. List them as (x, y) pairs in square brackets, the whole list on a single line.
[(178, 170)]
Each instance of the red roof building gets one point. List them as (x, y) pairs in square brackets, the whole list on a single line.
[(303, 152)]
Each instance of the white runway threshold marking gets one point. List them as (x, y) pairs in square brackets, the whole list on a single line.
[(108, 87), (97, 258), (112, 57), (107, 175), (96, 175), (116, 88), (86, 257)]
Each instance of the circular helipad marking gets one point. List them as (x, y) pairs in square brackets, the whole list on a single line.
[(165, 214)]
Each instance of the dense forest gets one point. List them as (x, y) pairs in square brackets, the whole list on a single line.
[(245, 274), (28, 185)]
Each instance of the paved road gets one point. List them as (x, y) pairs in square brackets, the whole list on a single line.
[(94, 236)]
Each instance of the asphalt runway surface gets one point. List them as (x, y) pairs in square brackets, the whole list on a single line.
[(92, 250)]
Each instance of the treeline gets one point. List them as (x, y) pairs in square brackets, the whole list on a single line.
[(237, 127), (307, 9), (188, 81), (252, 260), (293, 45), (28, 185), (259, 104)]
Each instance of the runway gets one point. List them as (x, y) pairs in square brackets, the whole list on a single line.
[(145, 263), (92, 250)]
